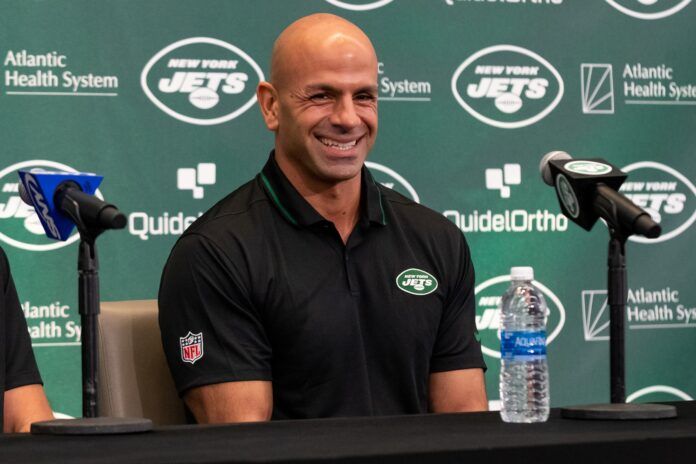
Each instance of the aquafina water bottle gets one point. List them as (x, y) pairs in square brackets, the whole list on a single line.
[(524, 379)]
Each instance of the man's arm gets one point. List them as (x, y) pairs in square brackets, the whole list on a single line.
[(246, 401), (462, 390), (24, 405)]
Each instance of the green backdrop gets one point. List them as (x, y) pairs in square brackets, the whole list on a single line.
[(159, 97)]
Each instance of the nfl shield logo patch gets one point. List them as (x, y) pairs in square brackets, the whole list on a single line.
[(191, 347)]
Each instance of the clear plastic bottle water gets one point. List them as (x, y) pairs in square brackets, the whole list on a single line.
[(524, 379)]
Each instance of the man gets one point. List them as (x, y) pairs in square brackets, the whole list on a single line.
[(23, 396), (311, 291)]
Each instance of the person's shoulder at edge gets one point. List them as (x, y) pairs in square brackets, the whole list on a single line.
[(229, 212), (416, 213)]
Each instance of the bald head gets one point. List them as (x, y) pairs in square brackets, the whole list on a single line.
[(315, 36)]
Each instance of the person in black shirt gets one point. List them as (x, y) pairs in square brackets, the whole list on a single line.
[(311, 291), (23, 400)]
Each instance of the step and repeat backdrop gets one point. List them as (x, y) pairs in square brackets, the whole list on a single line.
[(158, 96)]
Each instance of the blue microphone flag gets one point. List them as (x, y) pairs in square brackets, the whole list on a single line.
[(41, 187)]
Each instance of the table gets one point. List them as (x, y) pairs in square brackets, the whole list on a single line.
[(433, 438)]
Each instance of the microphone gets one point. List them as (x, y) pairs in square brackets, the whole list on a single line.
[(587, 189), (65, 199)]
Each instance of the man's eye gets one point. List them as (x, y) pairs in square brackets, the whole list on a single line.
[(319, 97), (365, 97)]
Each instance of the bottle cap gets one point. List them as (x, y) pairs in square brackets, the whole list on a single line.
[(521, 273)]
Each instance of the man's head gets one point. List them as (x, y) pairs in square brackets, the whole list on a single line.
[(321, 101)]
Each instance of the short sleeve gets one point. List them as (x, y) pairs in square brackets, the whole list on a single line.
[(456, 346), (211, 332), (20, 364)]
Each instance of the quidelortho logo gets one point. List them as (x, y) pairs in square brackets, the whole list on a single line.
[(597, 88), (501, 179), (194, 179), (359, 5), (201, 80), (646, 309), (649, 9), (507, 86), (488, 297), (667, 194), (392, 179), (21, 227), (52, 74), (658, 393), (510, 219)]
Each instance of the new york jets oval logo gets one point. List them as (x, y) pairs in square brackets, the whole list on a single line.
[(201, 80), (359, 5), (567, 195), (20, 227), (416, 282), (392, 179), (667, 194), (507, 86), (489, 295), (649, 9), (587, 168)]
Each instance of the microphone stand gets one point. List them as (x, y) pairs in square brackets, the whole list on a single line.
[(88, 298), (617, 289)]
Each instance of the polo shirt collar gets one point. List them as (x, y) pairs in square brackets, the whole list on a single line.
[(296, 210)]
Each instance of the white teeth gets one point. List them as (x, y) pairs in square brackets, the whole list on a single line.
[(340, 146)]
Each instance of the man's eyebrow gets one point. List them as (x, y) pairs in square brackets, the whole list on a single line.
[(329, 88)]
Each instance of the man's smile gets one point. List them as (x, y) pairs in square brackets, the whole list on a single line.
[(341, 145)]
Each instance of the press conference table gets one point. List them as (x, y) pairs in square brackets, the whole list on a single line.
[(461, 438)]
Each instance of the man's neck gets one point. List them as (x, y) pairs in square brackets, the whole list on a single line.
[(336, 202)]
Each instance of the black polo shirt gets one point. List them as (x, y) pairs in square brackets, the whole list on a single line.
[(17, 364), (261, 287)]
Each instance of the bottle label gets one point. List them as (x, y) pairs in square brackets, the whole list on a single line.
[(523, 345)]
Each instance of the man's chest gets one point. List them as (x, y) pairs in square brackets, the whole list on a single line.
[(378, 296)]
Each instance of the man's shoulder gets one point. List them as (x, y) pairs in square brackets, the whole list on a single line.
[(418, 216), (237, 211)]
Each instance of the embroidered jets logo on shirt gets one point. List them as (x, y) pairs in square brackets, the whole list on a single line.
[(191, 347), (416, 282)]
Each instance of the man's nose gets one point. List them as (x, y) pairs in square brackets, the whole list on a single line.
[(344, 113)]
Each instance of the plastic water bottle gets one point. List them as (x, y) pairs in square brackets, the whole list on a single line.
[(524, 379)]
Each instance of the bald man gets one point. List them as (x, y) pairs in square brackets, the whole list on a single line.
[(312, 291)]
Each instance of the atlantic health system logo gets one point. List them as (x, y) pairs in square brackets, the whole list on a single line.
[(507, 86), (649, 9), (597, 88), (201, 80), (647, 308)]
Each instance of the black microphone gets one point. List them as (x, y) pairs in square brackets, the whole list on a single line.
[(83, 209), (587, 189)]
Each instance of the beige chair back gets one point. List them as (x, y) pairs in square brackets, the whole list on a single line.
[(134, 379)]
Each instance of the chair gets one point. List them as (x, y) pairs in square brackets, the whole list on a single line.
[(133, 378)]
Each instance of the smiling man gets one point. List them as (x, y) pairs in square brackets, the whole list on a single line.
[(312, 291)]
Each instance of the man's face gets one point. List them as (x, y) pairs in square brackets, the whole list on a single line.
[(327, 112)]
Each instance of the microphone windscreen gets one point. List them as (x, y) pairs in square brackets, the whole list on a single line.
[(24, 195), (544, 168)]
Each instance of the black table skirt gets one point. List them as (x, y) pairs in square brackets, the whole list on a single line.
[(460, 438)]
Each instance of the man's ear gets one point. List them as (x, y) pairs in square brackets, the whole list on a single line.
[(267, 96)]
